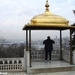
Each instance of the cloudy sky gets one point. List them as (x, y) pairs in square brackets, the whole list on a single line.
[(15, 13)]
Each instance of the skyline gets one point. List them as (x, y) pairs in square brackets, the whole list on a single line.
[(14, 14)]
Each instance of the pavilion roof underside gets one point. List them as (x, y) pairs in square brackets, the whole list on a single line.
[(44, 27)]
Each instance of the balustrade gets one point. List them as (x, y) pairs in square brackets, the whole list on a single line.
[(11, 64), (39, 55), (18, 64)]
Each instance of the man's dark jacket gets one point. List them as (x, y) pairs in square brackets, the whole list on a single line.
[(48, 44)]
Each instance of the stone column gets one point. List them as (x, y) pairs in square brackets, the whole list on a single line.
[(28, 58), (25, 61)]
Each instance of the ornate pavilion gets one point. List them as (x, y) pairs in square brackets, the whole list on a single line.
[(47, 21)]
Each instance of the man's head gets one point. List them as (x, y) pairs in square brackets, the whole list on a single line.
[(48, 37)]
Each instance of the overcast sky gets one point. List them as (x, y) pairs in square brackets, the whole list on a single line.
[(14, 14)]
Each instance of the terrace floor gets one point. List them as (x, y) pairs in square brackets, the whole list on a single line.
[(50, 64), (23, 73)]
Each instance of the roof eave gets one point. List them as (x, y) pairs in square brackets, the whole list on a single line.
[(40, 27)]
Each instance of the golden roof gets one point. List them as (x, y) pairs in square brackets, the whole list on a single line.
[(46, 20)]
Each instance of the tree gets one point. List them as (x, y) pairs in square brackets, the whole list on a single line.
[(73, 37), (73, 42), (11, 50)]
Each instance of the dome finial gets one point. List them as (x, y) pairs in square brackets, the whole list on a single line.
[(47, 5)]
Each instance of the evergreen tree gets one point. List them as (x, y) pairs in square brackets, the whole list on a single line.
[(73, 42), (73, 39)]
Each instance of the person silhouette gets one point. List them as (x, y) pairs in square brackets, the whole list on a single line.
[(48, 48)]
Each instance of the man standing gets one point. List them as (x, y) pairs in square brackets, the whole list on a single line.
[(48, 47)]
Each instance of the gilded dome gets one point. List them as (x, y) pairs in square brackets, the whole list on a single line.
[(48, 20)]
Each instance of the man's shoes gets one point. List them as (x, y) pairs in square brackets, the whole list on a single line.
[(49, 61), (45, 61)]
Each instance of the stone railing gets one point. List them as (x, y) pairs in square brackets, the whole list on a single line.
[(19, 64), (66, 55), (11, 64), (39, 55)]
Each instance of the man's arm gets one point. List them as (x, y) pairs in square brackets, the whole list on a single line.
[(44, 42), (53, 41)]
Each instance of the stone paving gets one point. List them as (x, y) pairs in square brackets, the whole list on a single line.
[(23, 73), (49, 64)]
